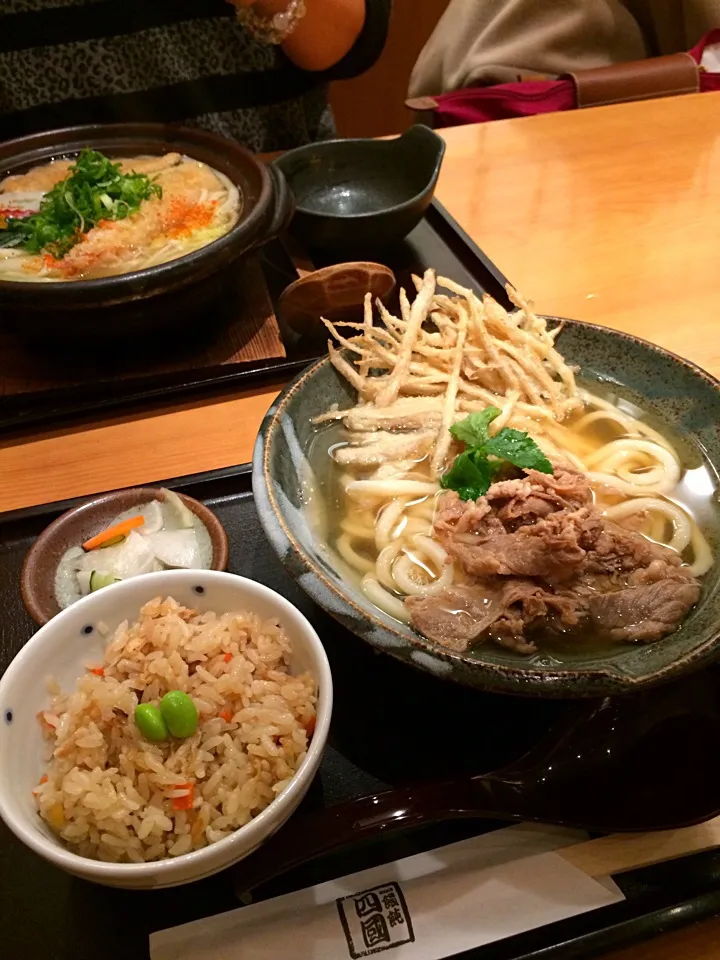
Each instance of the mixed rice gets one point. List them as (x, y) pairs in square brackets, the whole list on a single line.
[(112, 795)]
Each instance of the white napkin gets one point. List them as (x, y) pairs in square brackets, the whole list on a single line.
[(711, 58), (425, 907)]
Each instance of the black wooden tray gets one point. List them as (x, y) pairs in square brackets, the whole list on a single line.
[(47, 914), (437, 241)]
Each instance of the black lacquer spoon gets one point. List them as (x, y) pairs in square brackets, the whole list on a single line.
[(621, 764)]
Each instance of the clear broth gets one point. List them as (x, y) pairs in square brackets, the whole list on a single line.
[(696, 493)]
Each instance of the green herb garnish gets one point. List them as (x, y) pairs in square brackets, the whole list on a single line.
[(519, 449), (473, 471), (94, 190), (473, 431), (471, 475)]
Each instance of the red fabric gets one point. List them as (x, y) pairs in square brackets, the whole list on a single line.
[(506, 100)]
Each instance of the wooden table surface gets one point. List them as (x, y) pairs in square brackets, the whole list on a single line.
[(609, 215)]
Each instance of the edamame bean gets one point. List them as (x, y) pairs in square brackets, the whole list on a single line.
[(179, 713), (150, 722)]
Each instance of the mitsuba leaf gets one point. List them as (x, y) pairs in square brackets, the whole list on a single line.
[(519, 449), (472, 472), (473, 430), (470, 476)]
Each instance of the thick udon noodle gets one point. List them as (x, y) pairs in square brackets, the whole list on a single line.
[(443, 358), (163, 229)]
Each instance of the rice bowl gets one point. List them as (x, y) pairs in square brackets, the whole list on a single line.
[(251, 766), (113, 795)]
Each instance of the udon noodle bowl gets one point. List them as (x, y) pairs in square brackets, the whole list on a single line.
[(194, 205), (602, 547)]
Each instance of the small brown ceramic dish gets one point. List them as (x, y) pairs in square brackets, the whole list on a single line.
[(37, 580)]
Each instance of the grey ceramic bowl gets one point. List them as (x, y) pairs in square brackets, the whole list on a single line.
[(684, 397), (358, 196)]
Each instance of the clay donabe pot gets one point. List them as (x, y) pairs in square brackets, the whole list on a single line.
[(169, 296)]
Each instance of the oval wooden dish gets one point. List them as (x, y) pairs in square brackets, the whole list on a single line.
[(336, 292)]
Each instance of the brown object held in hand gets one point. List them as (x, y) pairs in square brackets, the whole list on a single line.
[(336, 293)]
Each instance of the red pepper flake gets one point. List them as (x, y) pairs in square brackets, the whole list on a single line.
[(226, 715), (43, 778), (98, 671), (228, 657), (15, 213), (310, 727), (186, 802), (183, 217)]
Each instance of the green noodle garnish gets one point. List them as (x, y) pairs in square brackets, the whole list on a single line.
[(94, 190)]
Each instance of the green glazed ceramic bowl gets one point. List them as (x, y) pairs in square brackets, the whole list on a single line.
[(680, 395)]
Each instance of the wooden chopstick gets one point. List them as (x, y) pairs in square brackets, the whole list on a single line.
[(621, 852)]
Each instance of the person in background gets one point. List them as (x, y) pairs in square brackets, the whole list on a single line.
[(253, 70), (481, 42)]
